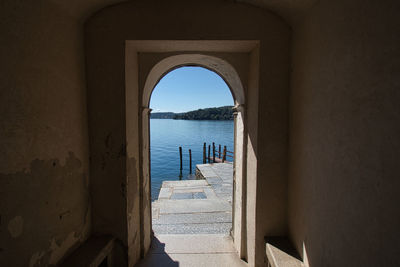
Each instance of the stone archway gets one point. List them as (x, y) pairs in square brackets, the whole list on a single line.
[(232, 79), (215, 64), (146, 62)]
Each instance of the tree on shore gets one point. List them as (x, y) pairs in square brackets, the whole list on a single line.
[(220, 113)]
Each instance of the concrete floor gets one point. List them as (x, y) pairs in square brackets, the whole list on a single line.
[(201, 206), (220, 177), (196, 250), (192, 220)]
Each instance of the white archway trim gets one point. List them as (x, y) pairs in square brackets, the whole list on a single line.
[(219, 66), (140, 67), (228, 73)]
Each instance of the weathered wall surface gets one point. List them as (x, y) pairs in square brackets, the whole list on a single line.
[(106, 33), (44, 200), (344, 134)]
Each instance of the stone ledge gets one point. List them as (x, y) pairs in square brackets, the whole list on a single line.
[(281, 253), (91, 253)]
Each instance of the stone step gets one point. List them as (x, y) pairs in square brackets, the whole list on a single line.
[(206, 171), (185, 183), (199, 250), (191, 228), (193, 244), (214, 217), (196, 206), (192, 206)]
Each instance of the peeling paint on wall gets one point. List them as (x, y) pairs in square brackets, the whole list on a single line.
[(59, 250), (46, 211), (36, 258), (16, 226)]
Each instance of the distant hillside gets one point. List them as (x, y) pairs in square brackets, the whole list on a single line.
[(221, 113), (162, 115)]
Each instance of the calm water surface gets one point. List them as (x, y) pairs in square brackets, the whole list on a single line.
[(166, 136)]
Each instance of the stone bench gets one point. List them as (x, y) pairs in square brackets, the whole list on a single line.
[(281, 253), (96, 251)]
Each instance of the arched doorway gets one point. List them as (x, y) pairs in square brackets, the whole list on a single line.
[(232, 79), (146, 61)]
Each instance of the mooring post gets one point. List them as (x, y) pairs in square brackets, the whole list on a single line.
[(219, 151), (213, 152), (204, 153), (209, 147), (190, 161), (224, 156), (180, 156)]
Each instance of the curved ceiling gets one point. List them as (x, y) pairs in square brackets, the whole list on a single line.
[(288, 9)]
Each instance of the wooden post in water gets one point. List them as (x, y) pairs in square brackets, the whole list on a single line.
[(204, 153), (190, 161), (213, 152), (209, 146), (224, 156), (180, 157), (219, 151)]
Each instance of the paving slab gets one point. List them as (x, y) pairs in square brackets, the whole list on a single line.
[(199, 195), (184, 183), (222, 188), (210, 193), (193, 260), (202, 206), (188, 195), (214, 180), (165, 193), (182, 189), (192, 251), (193, 228), (215, 217), (206, 171), (193, 205), (194, 243), (182, 196), (193, 232)]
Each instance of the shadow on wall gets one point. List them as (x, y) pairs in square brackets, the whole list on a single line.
[(44, 212), (157, 256)]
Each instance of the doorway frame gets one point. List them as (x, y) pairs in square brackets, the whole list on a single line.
[(146, 64)]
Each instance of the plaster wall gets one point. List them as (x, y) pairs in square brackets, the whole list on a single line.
[(344, 182), (106, 33), (44, 179)]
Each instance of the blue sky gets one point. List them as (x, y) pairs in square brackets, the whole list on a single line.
[(190, 88)]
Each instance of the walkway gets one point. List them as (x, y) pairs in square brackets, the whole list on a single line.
[(192, 220), (220, 177), (201, 206), (199, 250)]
